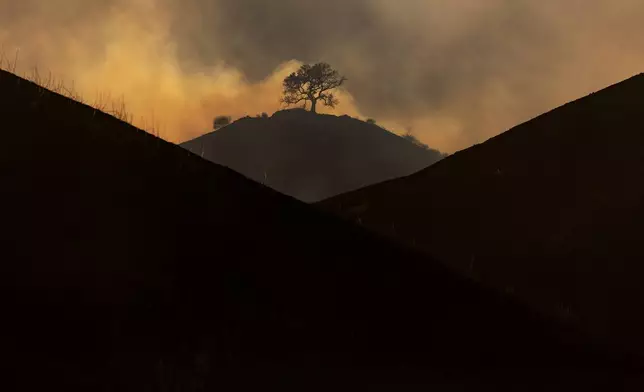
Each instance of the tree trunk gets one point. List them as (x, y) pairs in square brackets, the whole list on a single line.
[(313, 104)]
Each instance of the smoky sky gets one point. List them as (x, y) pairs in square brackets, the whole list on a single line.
[(455, 72)]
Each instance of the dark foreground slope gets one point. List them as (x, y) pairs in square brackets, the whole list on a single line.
[(129, 263), (552, 210), (312, 156)]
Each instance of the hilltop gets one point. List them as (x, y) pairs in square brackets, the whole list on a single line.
[(312, 156), (130, 263), (551, 210)]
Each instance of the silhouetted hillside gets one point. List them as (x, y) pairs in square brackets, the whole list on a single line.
[(552, 210), (131, 264), (312, 156)]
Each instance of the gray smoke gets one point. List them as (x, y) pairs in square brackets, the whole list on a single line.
[(454, 71)]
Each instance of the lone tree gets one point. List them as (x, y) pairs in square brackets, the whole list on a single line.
[(312, 83)]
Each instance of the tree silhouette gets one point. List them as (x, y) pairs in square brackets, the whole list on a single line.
[(221, 121), (312, 83)]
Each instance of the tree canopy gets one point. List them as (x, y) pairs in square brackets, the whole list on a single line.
[(312, 83)]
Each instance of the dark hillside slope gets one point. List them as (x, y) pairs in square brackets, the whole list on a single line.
[(552, 209), (312, 156), (131, 264)]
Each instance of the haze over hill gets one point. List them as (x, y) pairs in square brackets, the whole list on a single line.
[(552, 210), (456, 71), (130, 263), (312, 157)]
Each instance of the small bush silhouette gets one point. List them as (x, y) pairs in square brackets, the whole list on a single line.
[(221, 121), (413, 139), (371, 121)]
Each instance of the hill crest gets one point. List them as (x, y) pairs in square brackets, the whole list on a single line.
[(312, 156)]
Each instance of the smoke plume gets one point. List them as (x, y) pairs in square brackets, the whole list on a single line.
[(454, 72)]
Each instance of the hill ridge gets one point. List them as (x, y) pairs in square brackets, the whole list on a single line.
[(548, 209), (143, 266), (312, 156)]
